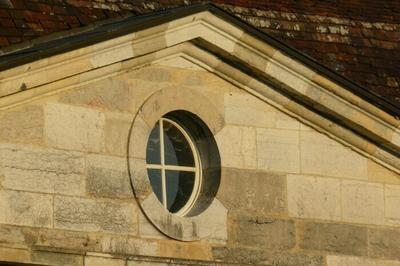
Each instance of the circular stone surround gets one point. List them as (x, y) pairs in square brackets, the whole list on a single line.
[(208, 216)]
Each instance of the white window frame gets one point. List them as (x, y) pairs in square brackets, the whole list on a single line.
[(163, 167)]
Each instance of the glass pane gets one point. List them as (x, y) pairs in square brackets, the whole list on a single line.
[(179, 188), (153, 152), (155, 181), (177, 149)]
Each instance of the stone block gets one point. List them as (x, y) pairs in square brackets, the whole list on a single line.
[(263, 233), (349, 261), (12, 235), (74, 128), (312, 197), (278, 150), (56, 258), (107, 176), (103, 182), (58, 240), (117, 131), (321, 155), (384, 243), (237, 146), (392, 204), (363, 202), (94, 215), (112, 55), (41, 170), (379, 174), (284, 121), (148, 263), (189, 250), (22, 125), (253, 191), (243, 256), (246, 110), (99, 261), (387, 262), (14, 255), (179, 62), (42, 181), (46, 160), (110, 93), (23, 208), (358, 261), (338, 238), (153, 74), (125, 245)]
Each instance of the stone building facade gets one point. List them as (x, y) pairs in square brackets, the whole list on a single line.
[(304, 170)]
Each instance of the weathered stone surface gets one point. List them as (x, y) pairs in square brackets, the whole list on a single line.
[(41, 170), (321, 155), (384, 243), (91, 215), (237, 146), (110, 93), (43, 181), (117, 133), (392, 204), (264, 233), (56, 258), (103, 182), (147, 229), (340, 238), (128, 246), (246, 110), (11, 234), (46, 160), (251, 190), (107, 176), (278, 150), (63, 239), (74, 128), (23, 208), (311, 197), (363, 202), (263, 257), (99, 261), (23, 125)]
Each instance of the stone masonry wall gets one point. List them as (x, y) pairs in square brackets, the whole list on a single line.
[(294, 196)]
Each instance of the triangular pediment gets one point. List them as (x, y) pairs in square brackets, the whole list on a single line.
[(202, 39)]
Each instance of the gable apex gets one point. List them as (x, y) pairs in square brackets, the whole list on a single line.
[(228, 47)]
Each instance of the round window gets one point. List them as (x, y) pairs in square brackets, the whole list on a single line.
[(173, 166)]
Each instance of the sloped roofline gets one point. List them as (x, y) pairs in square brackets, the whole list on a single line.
[(58, 43)]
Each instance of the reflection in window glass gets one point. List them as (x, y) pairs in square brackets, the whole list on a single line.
[(156, 182), (179, 188), (177, 148), (153, 151)]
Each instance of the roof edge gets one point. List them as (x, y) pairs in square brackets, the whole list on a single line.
[(57, 43)]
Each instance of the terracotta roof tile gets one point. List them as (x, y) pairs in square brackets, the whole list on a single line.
[(358, 39)]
